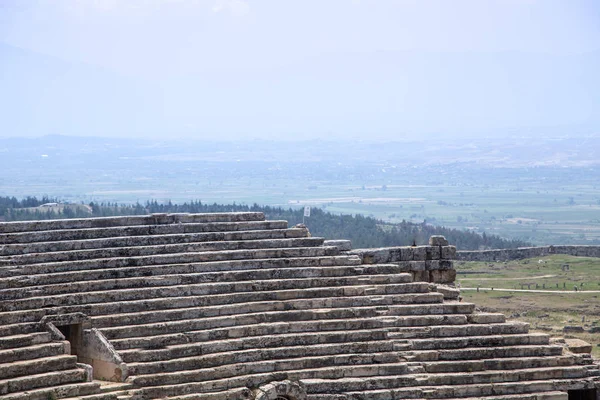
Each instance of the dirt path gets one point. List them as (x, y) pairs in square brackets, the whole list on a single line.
[(512, 279), (531, 290)]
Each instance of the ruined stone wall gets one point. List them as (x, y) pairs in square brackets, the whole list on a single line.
[(432, 263), (527, 252)]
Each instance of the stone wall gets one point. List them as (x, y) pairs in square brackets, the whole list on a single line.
[(432, 263), (527, 252)]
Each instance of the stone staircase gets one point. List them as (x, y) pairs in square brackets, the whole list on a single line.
[(230, 306)]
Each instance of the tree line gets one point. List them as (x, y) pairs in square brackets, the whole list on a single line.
[(362, 231)]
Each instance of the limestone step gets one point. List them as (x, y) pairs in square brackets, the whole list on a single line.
[(499, 390), (152, 219), (461, 330), (273, 328), (412, 313), (498, 364), (18, 329), (351, 364), (68, 391), (413, 303), (487, 318), (31, 352), (440, 380), (164, 304), (476, 353), (106, 291), (244, 331), (114, 387), (13, 287), (25, 340), (534, 396), (183, 258), (431, 394), (154, 240), (140, 251), (47, 379), (232, 394), (50, 295), (37, 366), (137, 230), (254, 380), (272, 346), (99, 396), (146, 251), (480, 341)]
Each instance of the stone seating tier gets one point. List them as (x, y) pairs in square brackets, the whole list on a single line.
[(222, 306), (150, 240)]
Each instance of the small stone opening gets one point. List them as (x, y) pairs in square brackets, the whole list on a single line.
[(584, 394), (73, 333)]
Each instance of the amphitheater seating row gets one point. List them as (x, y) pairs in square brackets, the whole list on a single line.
[(220, 306)]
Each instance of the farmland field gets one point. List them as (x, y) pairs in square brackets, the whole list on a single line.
[(550, 303), (550, 196)]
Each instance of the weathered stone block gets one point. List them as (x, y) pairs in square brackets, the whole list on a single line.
[(433, 252), (432, 264), (442, 276), (419, 253), (420, 276), (572, 328), (417, 265), (342, 245), (438, 240), (449, 252), (406, 254)]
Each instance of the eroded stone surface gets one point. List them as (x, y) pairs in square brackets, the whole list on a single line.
[(230, 306)]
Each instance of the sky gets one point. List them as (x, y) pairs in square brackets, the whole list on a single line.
[(299, 69)]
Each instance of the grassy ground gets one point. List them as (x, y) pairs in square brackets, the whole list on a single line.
[(548, 308)]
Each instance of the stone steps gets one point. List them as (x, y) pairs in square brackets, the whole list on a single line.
[(477, 353), (169, 359), (412, 313), (254, 380), (172, 272), (123, 307), (99, 396), (486, 318), (411, 385), (535, 396), (153, 250), (496, 391), (183, 258), (480, 341), (232, 394), (441, 331), (72, 391), (203, 347), (150, 240), (262, 329), (166, 287), (47, 379), (132, 220), (345, 300), (453, 380), (333, 366), (31, 352), (23, 340), (138, 230), (37, 366), (18, 329), (469, 366)]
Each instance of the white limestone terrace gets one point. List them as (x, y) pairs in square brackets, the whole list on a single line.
[(230, 306)]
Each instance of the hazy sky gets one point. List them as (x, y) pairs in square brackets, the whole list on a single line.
[(284, 68)]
